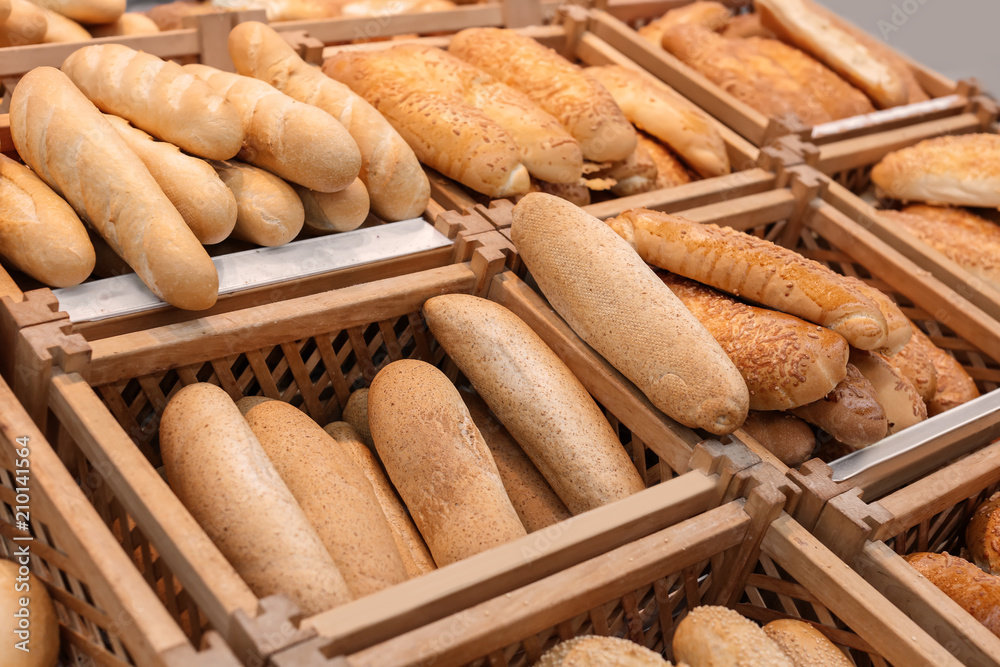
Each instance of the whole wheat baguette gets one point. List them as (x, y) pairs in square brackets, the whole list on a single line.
[(298, 142), (159, 97), (850, 413), (537, 398), (328, 212), (449, 135), (580, 103), (616, 304), (86, 11), (60, 29), (192, 186), (396, 183), (26, 24), (130, 23), (268, 210), (40, 233), (712, 15), (755, 269), (786, 362), (73, 148), (356, 414)]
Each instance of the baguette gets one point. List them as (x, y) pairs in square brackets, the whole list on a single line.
[(220, 472), (438, 462), (786, 436), (248, 403), (954, 385), (130, 23), (458, 140), (711, 15), (192, 186), (73, 148), (580, 103), (786, 362), (86, 11), (754, 269), (617, 305), (334, 494), (597, 650), (396, 183), (537, 398), (742, 26), (850, 413), (916, 365), (356, 414), (903, 405), (669, 170), (171, 15), (975, 591), (40, 233), (298, 142), (711, 635), (268, 211), (577, 193), (159, 97), (634, 175), (658, 110), (59, 29), (416, 558), (805, 645), (898, 327), (982, 535), (26, 24), (328, 212)]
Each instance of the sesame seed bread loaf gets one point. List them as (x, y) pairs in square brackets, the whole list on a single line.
[(977, 592), (805, 645), (600, 651), (712, 636)]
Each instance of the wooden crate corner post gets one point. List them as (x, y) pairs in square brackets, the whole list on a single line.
[(34, 307), (846, 523), (275, 628), (39, 351)]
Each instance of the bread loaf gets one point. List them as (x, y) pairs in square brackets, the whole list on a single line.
[(73, 148), (268, 211), (5, 10), (658, 110), (298, 142), (616, 304), (954, 385), (580, 103), (977, 592), (22, 592), (171, 15), (219, 470), (416, 558), (742, 26), (248, 403), (711, 635), (192, 186), (786, 362), (26, 24), (850, 413), (634, 175), (438, 462), (159, 97), (915, 363), (396, 183), (59, 29), (40, 233), (755, 269), (356, 414), (982, 536), (576, 193), (335, 495), (711, 15), (669, 170), (903, 405), (130, 23), (786, 436), (328, 212), (86, 11), (597, 650), (960, 170), (898, 327), (805, 645)]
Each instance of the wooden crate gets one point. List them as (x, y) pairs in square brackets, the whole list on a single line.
[(613, 20)]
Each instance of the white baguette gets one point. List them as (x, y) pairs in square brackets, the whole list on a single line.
[(328, 212), (268, 211), (86, 11)]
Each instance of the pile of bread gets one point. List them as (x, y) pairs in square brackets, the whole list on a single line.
[(792, 59), (183, 157), (171, 15), (504, 115), (24, 22)]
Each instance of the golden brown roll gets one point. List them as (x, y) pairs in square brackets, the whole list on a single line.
[(670, 172), (982, 536), (850, 413), (712, 15), (130, 23), (915, 362), (954, 385), (331, 212), (745, 25), (805, 645), (170, 15), (975, 591), (786, 436), (898, 327), (711, 636), (60, 29), (26, 24), (634, 175), (897, 396), (599, 651)]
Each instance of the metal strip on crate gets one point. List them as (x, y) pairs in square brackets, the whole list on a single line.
[(884, 116)]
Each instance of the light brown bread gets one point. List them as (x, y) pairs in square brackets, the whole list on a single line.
[(298, 142), (20, 594), (805, 645), (898, 327), (328, 212), (953, 386), (742, 26), (171, 15), (5, 10), (615, 303), (977, 592), (670, 172), (86, 11), (711, 635), (915, 362), (192, 186), (416, 557), (26, 24), (356, 414), (40, 233), (577, 193), (219, 470), (159, 97), (130, 23), (755, 269), (438, 462), (59, 29), (711, 15), (334, 493), (658, 110), (268, 211), (785, 361), (634, 175), (850, 413), (982, 535), (786, 436), (248, 403), (903, 405), (580, 103), (537, 398), (73, 148), (600, 651), (396, 183)]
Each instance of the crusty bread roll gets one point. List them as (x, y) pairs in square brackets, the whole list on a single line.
[(658, 110), (59, 29), (356, 414), (220, 472), (328, 212), (298, 142), (755, 269), (537, 398), (898, 327), (916, 365), (633, 175), (669, 170), (21, 592), (86, 11), (536, 504), (786, 436), (982, 535), (850, 413), (268, 211), (580, 103), (73, 148), (438, 462), (616, 304), (26, 24), (804, 645), (796, 22), (576, 193), (159, 97), (192, 186), (171, 15), (416, 557), (977, 592), (447, 134), (785, 361), (130, 23), (742, 26), (711, 636), (396, 183), (711, 15), (40, 233), (960, 170), (954, 385), (334, 494), (600, 651), (903, 405)]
